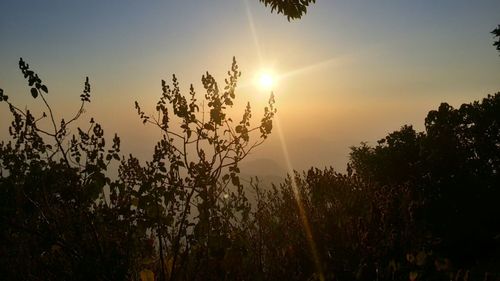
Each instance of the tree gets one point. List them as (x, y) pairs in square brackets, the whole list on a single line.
[(292, 9), (496, 33), (453, 166), (54, 221), (399, 151), (62, 217), (197, 166), (419, 206)]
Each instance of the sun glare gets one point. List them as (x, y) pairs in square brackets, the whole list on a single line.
[(266, 81)]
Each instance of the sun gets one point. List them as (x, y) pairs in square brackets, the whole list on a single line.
[(265, 80)]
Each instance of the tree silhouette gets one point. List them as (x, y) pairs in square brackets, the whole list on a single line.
[(54, 223), (197, 166), (496, 33), (454, 167), (292, 9), (62, 217), (418, 206)]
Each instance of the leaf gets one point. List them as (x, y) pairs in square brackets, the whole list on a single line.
[(420, 258), (168, 265), (44, 88), (147, 275), (235, 180), (134, 202), (208, 126), (413, 275), (55, 248), (148, 261), (410, 258), (34, 92), (2, 96), (96, 186)]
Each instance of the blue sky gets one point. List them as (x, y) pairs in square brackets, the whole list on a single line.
[(354, 70)]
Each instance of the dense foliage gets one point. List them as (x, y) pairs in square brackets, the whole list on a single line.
[(417, 205), (496, 33), (452, 169), (64, 218), (292, 9)]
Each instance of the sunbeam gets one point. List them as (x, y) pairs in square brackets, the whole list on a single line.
[(311, 67), (268, 81), (298, 200), (253, 31)]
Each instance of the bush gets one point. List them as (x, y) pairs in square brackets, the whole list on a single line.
[(64, 218), (417, 205)]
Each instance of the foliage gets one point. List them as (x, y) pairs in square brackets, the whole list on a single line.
[(195, 166), (496, 33), (454, 168), (361, 231), (62, 217), (55, 219), (292, 9), (417, 205)]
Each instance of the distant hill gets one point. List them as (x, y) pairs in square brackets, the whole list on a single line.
[(267, 170), (262, 167)]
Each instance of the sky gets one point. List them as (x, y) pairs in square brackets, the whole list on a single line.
[(348, 72)]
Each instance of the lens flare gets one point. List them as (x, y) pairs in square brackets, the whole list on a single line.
[(266, 81), (302, 213)]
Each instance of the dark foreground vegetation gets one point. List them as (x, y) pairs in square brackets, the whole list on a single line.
[(416, 206)]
